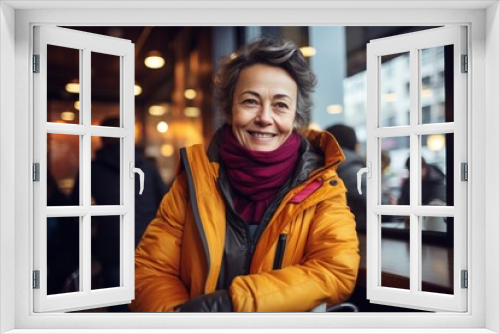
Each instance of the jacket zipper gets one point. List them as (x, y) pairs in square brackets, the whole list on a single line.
[(280, 251)]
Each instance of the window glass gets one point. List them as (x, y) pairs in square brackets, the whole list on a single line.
[(395, 90), (395, 186), (63, 85), (105, 251), (437, 257), (395, 254), (63, 255), (437, 169), (105, 171), (105, 89), (436, 94), (63, 165)]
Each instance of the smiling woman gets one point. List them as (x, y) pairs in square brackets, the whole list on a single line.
[(261, 223), (264, 107)]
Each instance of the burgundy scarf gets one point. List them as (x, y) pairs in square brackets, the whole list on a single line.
[(256, 176)]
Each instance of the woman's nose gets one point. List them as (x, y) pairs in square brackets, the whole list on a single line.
[(264, 117)]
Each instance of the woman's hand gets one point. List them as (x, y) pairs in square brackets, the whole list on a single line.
[(218, 301)]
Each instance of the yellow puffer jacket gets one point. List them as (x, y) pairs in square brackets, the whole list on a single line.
[(180, 255)]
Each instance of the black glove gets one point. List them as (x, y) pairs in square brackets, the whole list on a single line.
[(218, 301)]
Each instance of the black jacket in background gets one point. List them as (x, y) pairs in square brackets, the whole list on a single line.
[(433, 187), (348, 172), (105, 189)]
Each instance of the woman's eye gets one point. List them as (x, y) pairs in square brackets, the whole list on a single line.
[(282, 105), (250, 101)]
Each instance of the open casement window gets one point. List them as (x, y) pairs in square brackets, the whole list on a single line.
[(80, 218), (417, 116)]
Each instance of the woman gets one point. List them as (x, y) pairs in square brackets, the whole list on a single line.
[(260, 222)]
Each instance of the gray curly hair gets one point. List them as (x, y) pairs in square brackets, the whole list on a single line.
[(279, 53)]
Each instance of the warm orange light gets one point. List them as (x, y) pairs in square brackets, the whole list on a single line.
[(192, 112), (190, 94), (73, 87), (436, 143), (314, 126), (308, 51), (158, 109), (334, 109), (68, 116), (154, 60), (167, 150), (137, 89), (162, 127)]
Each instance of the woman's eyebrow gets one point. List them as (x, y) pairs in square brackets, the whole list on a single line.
[(276, 96), (251, 92), (282, 96)]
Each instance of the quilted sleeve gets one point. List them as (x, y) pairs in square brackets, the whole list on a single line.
[(158, 287)]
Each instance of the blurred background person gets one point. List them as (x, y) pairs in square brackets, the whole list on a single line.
[(388, 198), (348, 171), (433, 186)]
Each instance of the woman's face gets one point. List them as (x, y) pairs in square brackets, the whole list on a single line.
[(264, 107)]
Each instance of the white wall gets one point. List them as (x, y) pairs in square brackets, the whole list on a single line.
[(251, 16), (7, 218), (492, 152)]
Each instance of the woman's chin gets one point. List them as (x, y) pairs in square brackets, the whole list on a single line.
[(261, 144)]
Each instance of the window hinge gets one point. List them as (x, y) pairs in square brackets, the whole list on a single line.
[(36, 172), (465, 279), (464, 171), (36, 279), (465, 64), (36, 63)]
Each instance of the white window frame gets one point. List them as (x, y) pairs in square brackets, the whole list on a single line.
[(412, 44), (483, 21), (85, 44)]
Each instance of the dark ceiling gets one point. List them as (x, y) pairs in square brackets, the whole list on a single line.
[(158, 85)]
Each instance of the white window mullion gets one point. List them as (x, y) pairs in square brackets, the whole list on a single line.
[(85, 154), (105, 131), (373, 184), (415, 179), (128, 183)]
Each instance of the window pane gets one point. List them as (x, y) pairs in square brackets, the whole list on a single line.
[(394, 175), (63, 89), (436, 94), (63, 165), (395, 90), (105, 251), (437, 169), (105, 171), (437, 257), (63, 254), (395, 252), (105, 87)]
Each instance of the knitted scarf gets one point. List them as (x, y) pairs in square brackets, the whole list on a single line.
[(256, 176)]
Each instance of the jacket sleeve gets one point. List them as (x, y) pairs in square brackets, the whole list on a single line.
[(158, 287), (327, 272)]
